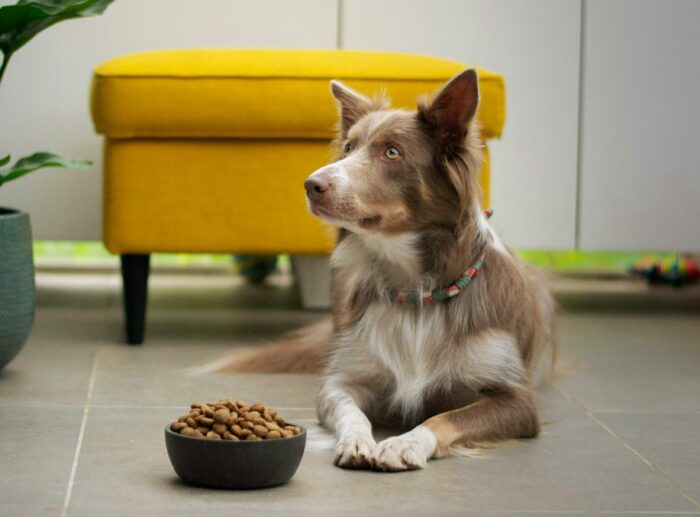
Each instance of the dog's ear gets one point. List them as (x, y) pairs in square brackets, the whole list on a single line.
[(451, 112), (353, 105)]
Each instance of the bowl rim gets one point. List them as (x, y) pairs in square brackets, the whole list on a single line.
[(249, 442)]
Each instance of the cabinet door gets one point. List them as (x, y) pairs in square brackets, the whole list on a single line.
[(535, 44), (640, 162)]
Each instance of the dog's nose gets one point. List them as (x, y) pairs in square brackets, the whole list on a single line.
[(316, 187)]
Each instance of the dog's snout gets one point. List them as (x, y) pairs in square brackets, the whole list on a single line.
[(316, 187)]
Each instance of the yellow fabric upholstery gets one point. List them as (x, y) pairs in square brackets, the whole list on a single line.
[(207, 150), (239, 195), (262, 93)]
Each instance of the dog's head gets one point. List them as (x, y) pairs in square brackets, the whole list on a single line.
[(398, 170)]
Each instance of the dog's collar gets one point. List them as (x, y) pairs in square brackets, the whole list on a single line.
[(440, 295)]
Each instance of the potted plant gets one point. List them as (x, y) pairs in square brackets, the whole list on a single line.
[(18, 24)]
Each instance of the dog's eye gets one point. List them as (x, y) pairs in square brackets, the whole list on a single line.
[(347, 148), (392, 153)]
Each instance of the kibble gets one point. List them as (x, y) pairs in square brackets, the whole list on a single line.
[(233, 421)]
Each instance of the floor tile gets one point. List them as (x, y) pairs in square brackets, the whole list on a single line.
[(156, 375), (36, 454), (221, 291), (637, 371), (579, 465), (631, 362), (670, 441), (30, 510), (215, 328), (55, 365)]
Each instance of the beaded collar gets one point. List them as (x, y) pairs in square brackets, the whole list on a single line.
[(439, 295)]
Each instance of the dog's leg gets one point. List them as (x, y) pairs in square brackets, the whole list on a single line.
[(339, 410), (495, 416)]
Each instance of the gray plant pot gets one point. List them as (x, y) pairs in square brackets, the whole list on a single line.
[(17, 297)]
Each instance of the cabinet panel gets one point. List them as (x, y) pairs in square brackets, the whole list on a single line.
[(640, 178), (536, 46)]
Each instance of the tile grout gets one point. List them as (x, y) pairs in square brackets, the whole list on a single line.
[(81, 434), (634, 451)]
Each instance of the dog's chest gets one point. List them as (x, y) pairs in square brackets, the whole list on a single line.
[(414, 347)]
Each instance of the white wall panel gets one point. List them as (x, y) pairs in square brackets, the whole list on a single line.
[(535, 44), (640, 172), (44, 96)]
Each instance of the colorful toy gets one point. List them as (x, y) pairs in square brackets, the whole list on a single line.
[(677, 272)]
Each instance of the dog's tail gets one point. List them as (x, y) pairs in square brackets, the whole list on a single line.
[(300, 351)]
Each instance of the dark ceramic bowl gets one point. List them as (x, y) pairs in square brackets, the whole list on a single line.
[(228, 464)]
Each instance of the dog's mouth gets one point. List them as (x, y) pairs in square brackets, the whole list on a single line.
[(319, 211), (337, 218)]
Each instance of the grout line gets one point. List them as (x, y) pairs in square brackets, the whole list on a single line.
[(579, 135), (634, 451), (81, 435), (339, 25)]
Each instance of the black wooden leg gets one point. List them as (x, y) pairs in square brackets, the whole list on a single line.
[(135, 270)]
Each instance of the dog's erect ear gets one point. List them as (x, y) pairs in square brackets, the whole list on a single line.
[(452, 110), (353, 105)]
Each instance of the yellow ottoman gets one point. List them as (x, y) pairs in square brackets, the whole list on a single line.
[(207, 150)]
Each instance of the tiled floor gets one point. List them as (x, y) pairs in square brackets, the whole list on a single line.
[(82, 415)]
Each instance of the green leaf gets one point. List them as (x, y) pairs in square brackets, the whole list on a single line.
[(21, 22), (38, 161), (5, 160)]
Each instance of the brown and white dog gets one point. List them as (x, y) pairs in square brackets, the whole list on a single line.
[(456, 372)]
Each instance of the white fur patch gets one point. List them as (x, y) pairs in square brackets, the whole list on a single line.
[(411, 348), (339, 410), (486, 229), (492, 358), (336, 172), (400, 250), (408, 451), (358, 251)]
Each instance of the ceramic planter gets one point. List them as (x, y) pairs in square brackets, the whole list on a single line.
[(17, 296)]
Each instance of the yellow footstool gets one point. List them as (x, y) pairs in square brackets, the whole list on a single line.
[(208, 150)]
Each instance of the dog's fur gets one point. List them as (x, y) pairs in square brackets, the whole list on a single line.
[(459, 372)]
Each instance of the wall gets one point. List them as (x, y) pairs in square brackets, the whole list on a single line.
[(603, 180), (44, 96)]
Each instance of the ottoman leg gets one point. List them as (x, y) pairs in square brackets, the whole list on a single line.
[(313, 276), (135, 269)]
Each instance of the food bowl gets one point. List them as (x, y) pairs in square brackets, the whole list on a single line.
[(235, 464)]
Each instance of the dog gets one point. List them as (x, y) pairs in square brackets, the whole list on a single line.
[(435, 324)]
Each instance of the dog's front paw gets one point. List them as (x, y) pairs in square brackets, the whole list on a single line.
[(354, 451), (408, 451)]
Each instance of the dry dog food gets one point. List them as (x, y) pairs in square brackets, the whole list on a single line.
[(226, 420)]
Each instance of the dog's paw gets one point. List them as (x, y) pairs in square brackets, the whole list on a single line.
[(408, 451), (354, 451)]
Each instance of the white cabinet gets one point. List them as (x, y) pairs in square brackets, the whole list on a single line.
[(640, 160), (535, 44)]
